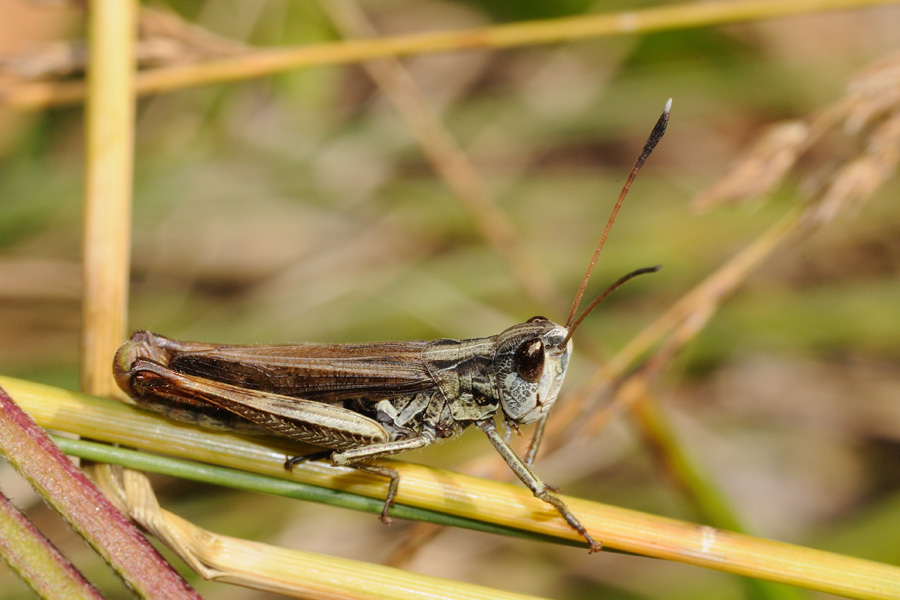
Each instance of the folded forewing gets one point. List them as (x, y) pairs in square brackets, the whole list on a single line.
[(323, 372)]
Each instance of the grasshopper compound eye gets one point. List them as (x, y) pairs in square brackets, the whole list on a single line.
[(529, 360)]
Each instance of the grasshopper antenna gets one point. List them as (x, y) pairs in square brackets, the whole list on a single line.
[(572, 323), (603, 296)]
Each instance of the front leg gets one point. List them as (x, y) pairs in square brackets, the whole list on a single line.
[(537, 487)]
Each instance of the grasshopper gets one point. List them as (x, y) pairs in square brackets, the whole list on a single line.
[(361, 402)]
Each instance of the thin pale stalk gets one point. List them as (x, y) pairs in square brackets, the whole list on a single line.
[(109, 115), (262, 63), (109, 148)]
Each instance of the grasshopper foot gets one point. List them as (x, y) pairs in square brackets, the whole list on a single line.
[(571, 520), (594, 545), (292, 461), (393, 486)]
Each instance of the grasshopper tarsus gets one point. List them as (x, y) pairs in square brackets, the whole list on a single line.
[(393, 486), (292, 461), (551, 498), (571, 520)]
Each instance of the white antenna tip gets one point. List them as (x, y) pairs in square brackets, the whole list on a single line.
[(668, 108)]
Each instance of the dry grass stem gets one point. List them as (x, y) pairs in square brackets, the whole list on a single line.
[(764, 167), (867, 116), (260, 63), (163, 39), (761, 169), (107, 207), (274, 569), (857, 180)]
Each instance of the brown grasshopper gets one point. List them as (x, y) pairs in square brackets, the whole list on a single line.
[(365, 401)]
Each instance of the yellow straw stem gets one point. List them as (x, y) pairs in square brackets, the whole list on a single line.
[(268, 62), (458, 494), (109, 115)]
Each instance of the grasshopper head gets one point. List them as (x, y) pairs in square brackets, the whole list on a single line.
[(531, 361)]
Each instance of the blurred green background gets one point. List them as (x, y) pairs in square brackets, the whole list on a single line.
[(300, 208)]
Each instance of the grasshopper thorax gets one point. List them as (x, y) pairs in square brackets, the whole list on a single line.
[(530, 361)]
